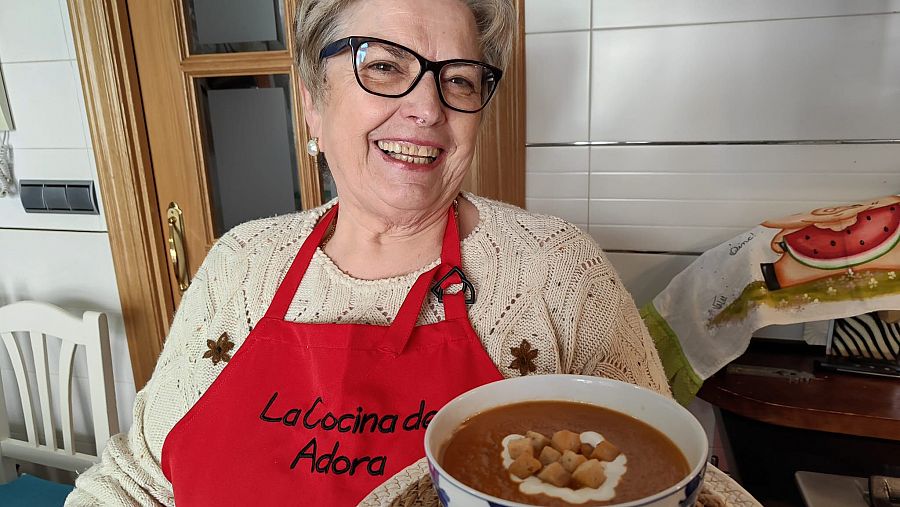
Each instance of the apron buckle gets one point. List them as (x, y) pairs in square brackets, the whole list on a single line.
[(468, 289)]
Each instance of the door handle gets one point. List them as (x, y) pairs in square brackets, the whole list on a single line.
[(176, 246)]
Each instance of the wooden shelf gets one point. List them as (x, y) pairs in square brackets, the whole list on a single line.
[(834, 402)]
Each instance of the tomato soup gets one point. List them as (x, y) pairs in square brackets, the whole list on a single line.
[(579, 454)]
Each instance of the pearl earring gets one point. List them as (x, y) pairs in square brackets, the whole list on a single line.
[(312, 147)]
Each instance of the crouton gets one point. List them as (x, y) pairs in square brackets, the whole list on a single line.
[(520, 446), (565, 440), (570, 460), (549, 455), (525, 466), (586, 450), (605, 451), (589, 474), (538, 441), (555, 474)]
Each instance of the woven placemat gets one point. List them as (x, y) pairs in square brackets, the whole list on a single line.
[(418, 494), (421, 494)]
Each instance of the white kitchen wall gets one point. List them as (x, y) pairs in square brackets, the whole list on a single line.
[(683, 82), (60, 259)]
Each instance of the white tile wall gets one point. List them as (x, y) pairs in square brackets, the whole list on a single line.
[(562, 160), (702, 213), (60, 259), (557, 15), (557, 182), (573, 210), (46, 105), (32, 30), (691, 198), (67, 27), (634, 13), (733, 187), (646, 275), (771, 160), (703, 70), (557, 82), (794, 79), (557, 186)]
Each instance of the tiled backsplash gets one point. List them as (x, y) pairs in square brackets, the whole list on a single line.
[(51, 139), (557, 70), (705, 72), (557, 182)]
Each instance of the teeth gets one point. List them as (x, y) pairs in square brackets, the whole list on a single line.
[(409, 149), (411, 159)]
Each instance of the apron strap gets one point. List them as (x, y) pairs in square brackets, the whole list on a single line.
[(285, 293), (450, 271), (447, 273), (451, 252)]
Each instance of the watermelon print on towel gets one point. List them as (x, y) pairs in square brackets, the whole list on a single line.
[(827, 263), (861, 236)]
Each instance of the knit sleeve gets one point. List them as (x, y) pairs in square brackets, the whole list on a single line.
[(610, 339), (597, 328), (129, 472), (631, 355)]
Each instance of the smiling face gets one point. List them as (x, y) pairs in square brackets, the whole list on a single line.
[(403, 156)]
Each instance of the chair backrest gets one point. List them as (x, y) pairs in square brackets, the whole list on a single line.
[(38, 321)]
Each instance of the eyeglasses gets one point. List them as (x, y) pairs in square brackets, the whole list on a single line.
[(387, 69)]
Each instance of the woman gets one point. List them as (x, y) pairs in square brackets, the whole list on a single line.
[(350, 323)]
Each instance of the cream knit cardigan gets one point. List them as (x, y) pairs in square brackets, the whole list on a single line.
[(537, 278)]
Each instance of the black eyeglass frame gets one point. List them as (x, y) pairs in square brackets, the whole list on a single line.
[(425, 65)]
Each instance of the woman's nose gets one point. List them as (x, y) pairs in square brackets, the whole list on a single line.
[(423, 105)]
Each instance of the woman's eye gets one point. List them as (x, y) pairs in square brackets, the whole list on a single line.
[(461, 84), (382, 67)]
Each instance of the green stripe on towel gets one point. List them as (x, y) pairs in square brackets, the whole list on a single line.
[(683, 381)]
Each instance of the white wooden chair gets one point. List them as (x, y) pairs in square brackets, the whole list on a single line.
[(40, 321)]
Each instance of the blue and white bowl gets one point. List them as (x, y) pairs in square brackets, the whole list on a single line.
[(660, 412)]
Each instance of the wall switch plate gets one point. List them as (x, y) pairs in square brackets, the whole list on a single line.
[(55, 197), (81, 198), (32, 198), (58, 196)]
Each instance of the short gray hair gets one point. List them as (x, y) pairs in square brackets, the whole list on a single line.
[(317, 23)]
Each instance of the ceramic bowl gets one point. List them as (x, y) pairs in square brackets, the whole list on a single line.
[(660, 412)]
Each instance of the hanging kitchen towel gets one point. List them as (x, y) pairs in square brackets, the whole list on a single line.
[(825, 264)]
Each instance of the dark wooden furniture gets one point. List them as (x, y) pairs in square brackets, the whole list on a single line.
[(835, 402), (838, 423)]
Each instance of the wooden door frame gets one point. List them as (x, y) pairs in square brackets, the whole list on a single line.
[(106, 62), (501, 142), (102, 36)]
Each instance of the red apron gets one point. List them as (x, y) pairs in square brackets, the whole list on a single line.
[(322, 414)]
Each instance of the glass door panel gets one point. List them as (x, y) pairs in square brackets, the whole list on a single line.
[(249, 147), (234, 26)]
